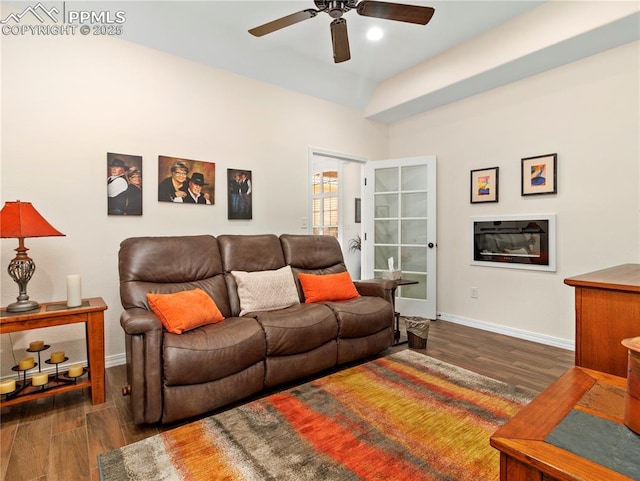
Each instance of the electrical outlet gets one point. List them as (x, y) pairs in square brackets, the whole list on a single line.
[(303, 222), (474, 292)]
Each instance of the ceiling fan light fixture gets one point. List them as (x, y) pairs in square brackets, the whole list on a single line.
[(374, 34), (337, 8)]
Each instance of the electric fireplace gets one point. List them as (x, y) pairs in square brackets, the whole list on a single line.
[(514, 241)]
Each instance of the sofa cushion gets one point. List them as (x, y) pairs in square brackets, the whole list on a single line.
[(212, 352), (327, 287), (184, 310), (296, 329), (362, 316), (266, 290), (311, 252)]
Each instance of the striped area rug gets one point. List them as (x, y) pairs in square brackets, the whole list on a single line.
[(406, 416)]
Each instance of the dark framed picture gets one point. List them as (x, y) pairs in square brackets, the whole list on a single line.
[(239, 194), (184, 181), (484, 185), (124, 184), (540, 175), (358, 210)]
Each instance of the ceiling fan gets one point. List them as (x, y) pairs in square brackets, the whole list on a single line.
[(336, 9)]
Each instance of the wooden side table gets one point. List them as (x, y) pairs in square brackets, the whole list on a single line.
[(607, 311), (396, 283), (524, 453), (58, 314)]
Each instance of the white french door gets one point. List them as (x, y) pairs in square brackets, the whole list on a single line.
[(399, 215)]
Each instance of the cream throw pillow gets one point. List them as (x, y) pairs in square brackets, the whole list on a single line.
[(266, 290)]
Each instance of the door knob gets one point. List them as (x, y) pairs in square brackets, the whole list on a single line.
[(430, 245)]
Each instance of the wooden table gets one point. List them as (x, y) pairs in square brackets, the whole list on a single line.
[(525, 456), (396, 283), (607, 304), (58, 314)]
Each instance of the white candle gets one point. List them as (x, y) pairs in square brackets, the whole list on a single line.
[(40, 379), (36, 345), (74, 291), (57, 357), (75, 370), (7, 386), (26, 363)]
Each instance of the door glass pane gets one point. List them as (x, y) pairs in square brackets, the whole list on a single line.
[(315, 182), (330, 212), (414, 231), (414, 205), (386, 232), (414, 259), (386, 180), (382, 253), (386, 205), (329, 181), (415, 291), (333, 231), (414, 177)]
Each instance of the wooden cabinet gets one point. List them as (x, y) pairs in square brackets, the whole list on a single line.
[(607, 311)]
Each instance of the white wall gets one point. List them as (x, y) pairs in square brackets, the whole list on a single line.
[(587, 112), (67, 101)]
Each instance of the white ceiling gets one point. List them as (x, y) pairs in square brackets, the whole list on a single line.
[(300, 57)]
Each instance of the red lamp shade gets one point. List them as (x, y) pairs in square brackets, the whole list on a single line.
[(21, 219)]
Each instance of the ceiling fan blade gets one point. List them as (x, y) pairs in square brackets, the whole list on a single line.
[(396, 11), (283, 22), (340, 40)]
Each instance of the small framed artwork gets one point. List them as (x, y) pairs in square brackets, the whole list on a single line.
[(239, 194), (484, 185), (540, 175), (358, 209), (124, 184), (184, 181)]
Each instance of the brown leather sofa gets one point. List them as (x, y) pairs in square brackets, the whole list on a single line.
[(177, 376)]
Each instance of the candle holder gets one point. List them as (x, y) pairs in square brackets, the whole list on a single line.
[(8, 394), (58, 377), (20, 384), (44, 348), (40, 387), (75, 378)]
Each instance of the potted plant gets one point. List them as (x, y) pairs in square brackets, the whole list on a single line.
[(355, 244)]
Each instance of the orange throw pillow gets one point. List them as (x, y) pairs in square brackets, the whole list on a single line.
[(327, 287), (184, 310)]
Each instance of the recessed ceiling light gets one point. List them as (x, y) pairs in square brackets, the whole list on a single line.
[(375, 33)]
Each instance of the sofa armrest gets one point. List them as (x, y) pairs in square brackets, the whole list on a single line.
[(139, 321), (143, 338), (376, 288)]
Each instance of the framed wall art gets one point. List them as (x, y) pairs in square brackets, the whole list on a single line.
[(540, 175), (239, 194), (184, 181), (124, 184), (484, 185)]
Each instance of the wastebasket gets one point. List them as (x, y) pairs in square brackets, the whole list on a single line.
[(417, 332)]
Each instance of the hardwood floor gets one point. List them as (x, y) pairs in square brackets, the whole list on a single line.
[(59, 438)]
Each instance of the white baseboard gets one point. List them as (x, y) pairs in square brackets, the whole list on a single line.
[(510, 331), (115, 360)]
